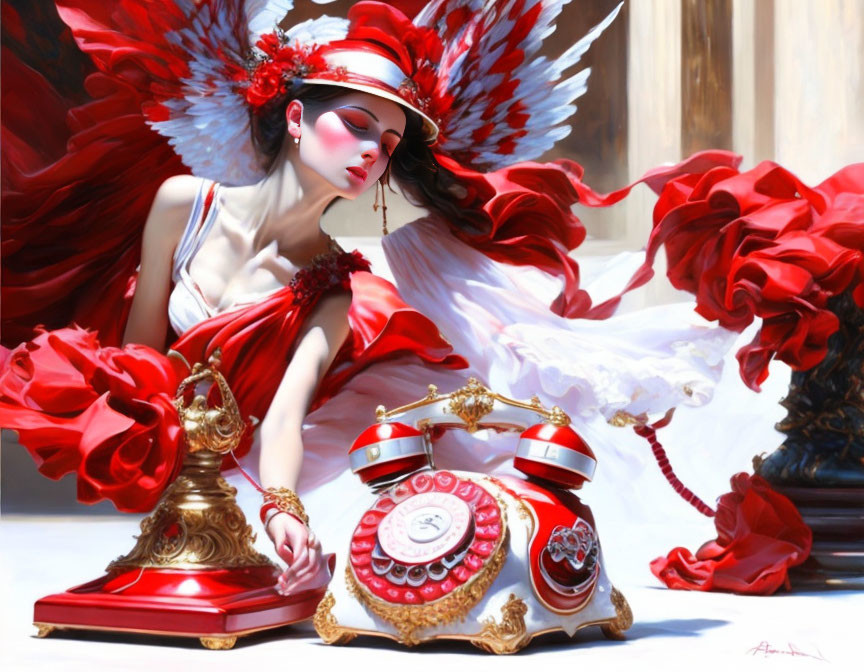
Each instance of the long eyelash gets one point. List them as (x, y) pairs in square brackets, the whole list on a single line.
[(361, 129), (355, 126)]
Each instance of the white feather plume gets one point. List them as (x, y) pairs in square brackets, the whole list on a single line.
[(472, 51), (208, 124)]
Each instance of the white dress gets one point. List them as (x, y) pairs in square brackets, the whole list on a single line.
[(497, 317)]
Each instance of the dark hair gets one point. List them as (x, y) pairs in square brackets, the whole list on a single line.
[(269, 125), (422, 179)]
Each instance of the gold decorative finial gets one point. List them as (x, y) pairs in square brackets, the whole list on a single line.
[(558, 417), (219, 428), (471, 403), (508, 636)]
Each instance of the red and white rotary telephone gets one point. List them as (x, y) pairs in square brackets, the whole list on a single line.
[(494, 560)]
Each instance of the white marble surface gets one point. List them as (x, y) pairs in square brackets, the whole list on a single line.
[(673, 630)]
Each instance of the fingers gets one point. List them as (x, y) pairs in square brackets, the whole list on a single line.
[(282, 545), (284, 551), (307, 569), (310, 567), (314, 575)]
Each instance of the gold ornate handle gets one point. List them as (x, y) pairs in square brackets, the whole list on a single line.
[(472, 403), (218, 429)]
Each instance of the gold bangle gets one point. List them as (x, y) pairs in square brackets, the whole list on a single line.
[(287, 501)]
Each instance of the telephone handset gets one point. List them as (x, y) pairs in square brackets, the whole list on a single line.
[(400, 443)]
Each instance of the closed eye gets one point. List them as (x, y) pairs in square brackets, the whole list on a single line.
[(387, 148), (355, 127)]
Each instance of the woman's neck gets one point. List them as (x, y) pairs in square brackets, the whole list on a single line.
[(286, 207)]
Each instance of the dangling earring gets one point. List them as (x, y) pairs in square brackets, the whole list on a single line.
[(296, 140), (379, 189)]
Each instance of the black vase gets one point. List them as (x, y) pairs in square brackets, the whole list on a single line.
[(820, 465)]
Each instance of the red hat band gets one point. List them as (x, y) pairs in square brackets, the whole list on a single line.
[(364, 69)]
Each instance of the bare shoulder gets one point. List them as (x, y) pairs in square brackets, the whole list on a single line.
[(171, 208), (177, 192)]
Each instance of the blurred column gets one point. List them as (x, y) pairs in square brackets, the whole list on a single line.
[(753, 80), (654, 103), (819, 85), (706, 75)]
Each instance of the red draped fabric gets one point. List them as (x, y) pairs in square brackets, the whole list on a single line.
[(106, 413), (80, 171), (760, 535), (530, 222), (761, 244)]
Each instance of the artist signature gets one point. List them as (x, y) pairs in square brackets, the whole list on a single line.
[(766, 649)]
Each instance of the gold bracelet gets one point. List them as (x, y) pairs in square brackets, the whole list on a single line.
[(287, 501)]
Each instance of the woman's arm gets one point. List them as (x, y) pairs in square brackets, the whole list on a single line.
[(148, 317), (281, 445), (281, 442)]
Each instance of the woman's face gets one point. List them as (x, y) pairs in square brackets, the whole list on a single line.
[(349, 140)]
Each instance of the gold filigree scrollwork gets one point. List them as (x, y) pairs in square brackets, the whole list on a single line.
[(525, 513), (43, 630), (623, 617), (196, 525), (219, 428), (408, 619), (327, 626), (623, 419), (471, 403), (508, 636)]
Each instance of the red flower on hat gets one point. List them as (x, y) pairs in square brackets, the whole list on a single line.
[(280, 64)]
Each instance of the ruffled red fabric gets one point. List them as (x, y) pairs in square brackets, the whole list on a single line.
[(106, 413), (761, 244), (79, 177), (527, 209), (760, 535)]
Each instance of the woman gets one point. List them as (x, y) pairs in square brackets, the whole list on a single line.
[(231, 250), (454, 92), (254, 241)]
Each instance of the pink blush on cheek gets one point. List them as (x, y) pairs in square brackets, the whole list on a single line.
[(332, 133)]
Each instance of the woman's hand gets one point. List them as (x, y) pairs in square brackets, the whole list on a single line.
[(300, 549)]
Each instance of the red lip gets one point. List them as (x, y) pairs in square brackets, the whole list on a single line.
[(358, 172)]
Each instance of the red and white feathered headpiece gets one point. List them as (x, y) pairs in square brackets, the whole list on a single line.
[(469, 68)]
